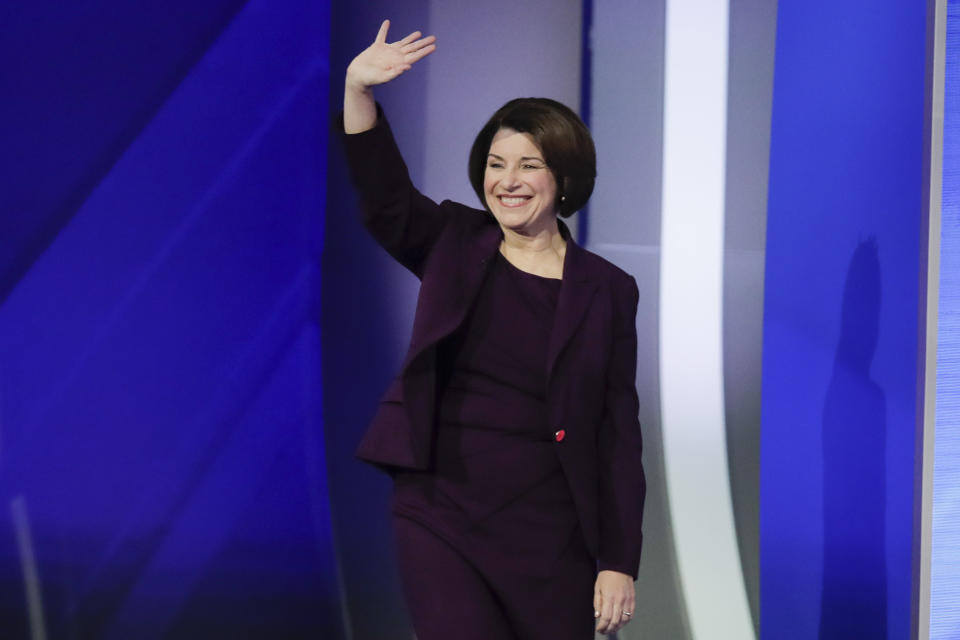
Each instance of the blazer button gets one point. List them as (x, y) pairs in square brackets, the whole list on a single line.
[(560, 435)]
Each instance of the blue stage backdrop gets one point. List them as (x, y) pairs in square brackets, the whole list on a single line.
[(840, 327), (162, 468)]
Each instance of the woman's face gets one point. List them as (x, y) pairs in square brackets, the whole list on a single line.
[(520, 189)]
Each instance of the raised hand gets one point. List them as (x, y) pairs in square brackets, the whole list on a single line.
[(382, 61)]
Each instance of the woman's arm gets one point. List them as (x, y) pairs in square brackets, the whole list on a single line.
[(622, 485), (379, 63), (401, 219)]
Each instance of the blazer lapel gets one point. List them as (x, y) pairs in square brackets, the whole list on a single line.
[(443, 306), (459, 287), (576, 293)]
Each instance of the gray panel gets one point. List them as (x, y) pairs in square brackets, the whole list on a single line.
[(660, 612), (488, 53), (750, 91), (742, 342), (627, 42)]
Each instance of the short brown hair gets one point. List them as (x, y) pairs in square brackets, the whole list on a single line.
[(562, 137)]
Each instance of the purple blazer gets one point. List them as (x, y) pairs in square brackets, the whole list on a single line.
[(591, 395)]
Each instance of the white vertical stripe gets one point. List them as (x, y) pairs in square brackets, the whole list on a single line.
[(691, 316), (923, 530), (31, 577)]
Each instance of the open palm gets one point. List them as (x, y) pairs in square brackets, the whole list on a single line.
[(382, 61)]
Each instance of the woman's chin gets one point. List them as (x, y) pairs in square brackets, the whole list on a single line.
[(523, 222), (510, 219)]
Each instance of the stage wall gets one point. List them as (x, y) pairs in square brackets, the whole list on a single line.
[(161, 454), (195, 329), (842, 306)]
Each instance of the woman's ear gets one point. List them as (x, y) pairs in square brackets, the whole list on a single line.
[(562, 197)]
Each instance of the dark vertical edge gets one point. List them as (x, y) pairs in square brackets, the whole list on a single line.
[(586, 65), (361, 343), (315, 227)]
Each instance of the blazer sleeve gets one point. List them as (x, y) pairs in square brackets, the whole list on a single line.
[(401, 219), (622, 482)]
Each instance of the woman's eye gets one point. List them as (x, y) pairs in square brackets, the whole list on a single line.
[(495, 165)]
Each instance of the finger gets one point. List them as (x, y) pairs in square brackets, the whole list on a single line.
[(617, 619), (629, 606), (614, 623), (612, 611), (382, 34), (410, 38), (606, 616), (620, 619), (419, 44), (416, 55), (602, 624)]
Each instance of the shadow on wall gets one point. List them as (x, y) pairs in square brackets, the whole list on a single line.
[(854, 597)]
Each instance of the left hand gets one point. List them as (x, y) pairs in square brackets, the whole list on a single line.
[(383, 61), (613, 599)]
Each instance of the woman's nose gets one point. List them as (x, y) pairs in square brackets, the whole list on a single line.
[(511, 178)]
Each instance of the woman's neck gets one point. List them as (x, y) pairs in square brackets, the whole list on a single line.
[(541, 253)]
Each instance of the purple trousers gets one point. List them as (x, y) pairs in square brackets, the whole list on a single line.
[(488, 597)]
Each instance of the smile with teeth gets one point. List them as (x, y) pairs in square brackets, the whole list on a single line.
[(513, 201)]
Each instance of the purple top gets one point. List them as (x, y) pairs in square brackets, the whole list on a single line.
[(495, 468)]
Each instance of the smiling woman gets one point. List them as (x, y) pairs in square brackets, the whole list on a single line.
[(511, 432), (534, 160), (519, 189)]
